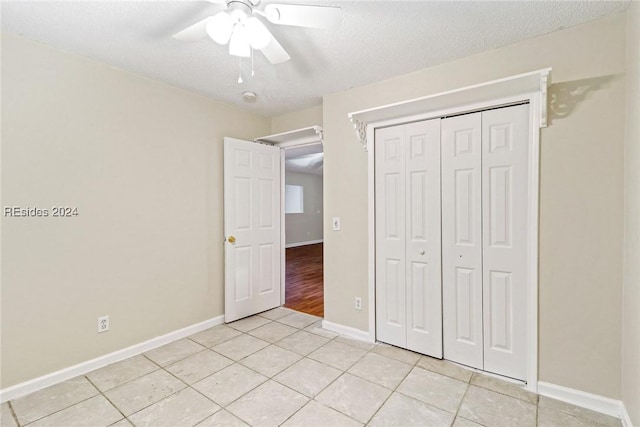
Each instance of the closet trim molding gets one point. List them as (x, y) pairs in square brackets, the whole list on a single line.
[(529, 87), (456, 101)]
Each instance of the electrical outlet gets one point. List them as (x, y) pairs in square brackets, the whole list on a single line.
[(103, 324), (358, 303), (335, 223)]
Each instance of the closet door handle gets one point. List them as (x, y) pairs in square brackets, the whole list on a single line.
[(421, 251)]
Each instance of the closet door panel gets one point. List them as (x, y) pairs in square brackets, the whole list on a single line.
[(423, 275), (390, 177), (504, 171), (462, 239)]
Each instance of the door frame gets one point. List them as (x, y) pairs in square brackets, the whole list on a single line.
[(528, 87), (297, 138)]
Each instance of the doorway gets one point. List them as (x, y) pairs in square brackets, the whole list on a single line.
[(303, 228)]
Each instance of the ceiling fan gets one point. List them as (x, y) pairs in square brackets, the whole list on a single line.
[(239, 25)]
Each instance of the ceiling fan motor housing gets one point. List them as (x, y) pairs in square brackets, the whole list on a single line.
[(239, 9)]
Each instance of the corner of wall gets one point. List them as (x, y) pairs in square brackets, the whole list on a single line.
[(630, 371)]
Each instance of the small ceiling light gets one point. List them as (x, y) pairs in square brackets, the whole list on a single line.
[(220, 27), (249, 96)]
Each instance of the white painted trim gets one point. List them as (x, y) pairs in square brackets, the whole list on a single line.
[(283, 234), (56, 377), (309, 242), (534, 99), (294, 138), (594, 402), (459, 99), (532, 241), (372, 232), (358, 334)]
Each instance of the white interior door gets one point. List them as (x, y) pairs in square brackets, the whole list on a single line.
[(252, 228), (505, 137), (408, 286), (462, 239), (390, 162)]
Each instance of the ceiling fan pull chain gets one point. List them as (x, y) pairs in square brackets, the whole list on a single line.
[(253, 73), (240, 70)]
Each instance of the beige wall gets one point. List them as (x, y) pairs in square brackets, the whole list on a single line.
[(142, 161), (581, 196), (307, 226), (631, 290), (297, 120)]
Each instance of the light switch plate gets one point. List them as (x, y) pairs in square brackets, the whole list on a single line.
[(335, 223)]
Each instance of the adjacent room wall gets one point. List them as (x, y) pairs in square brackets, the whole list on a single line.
[(307, 226), (142, 162), (581, 200), (631, 290), (297, 120)]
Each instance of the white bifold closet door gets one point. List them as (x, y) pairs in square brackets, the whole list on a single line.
[(462, 239), (408, 253), (505, 146), (484, 222)]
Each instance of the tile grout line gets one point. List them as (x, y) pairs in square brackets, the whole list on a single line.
[(461, 401), (62, 409), (107, 399), (160, 368), (13, 413), (302, 358), (224, 407), (327, 386), (395, 389), (251, 369), (221, 407), (500, 392)]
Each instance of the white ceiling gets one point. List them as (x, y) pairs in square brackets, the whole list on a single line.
[(375, 41), (305, 159)]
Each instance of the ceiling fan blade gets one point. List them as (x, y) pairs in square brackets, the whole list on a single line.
[(195, 32), (303, 15), (274, 52)]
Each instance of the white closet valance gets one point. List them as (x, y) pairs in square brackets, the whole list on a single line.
[(461, 100), (304, 136)]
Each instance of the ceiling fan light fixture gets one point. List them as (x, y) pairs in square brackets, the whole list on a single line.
[(239, 43), (258, 34), (220, 27)]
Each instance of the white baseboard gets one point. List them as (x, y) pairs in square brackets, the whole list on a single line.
[(594, 402), (626, 418), (310, 242), (56, 377), (347, 330)]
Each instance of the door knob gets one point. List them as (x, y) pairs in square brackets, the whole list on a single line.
[(421, 251), (231, 239)]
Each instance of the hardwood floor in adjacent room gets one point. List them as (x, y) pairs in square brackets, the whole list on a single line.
[(304, 281)]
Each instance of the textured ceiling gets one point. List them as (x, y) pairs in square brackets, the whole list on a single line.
[(304, 159), (375, 41)]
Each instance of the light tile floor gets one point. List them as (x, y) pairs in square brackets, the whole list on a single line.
[(281, 368)]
